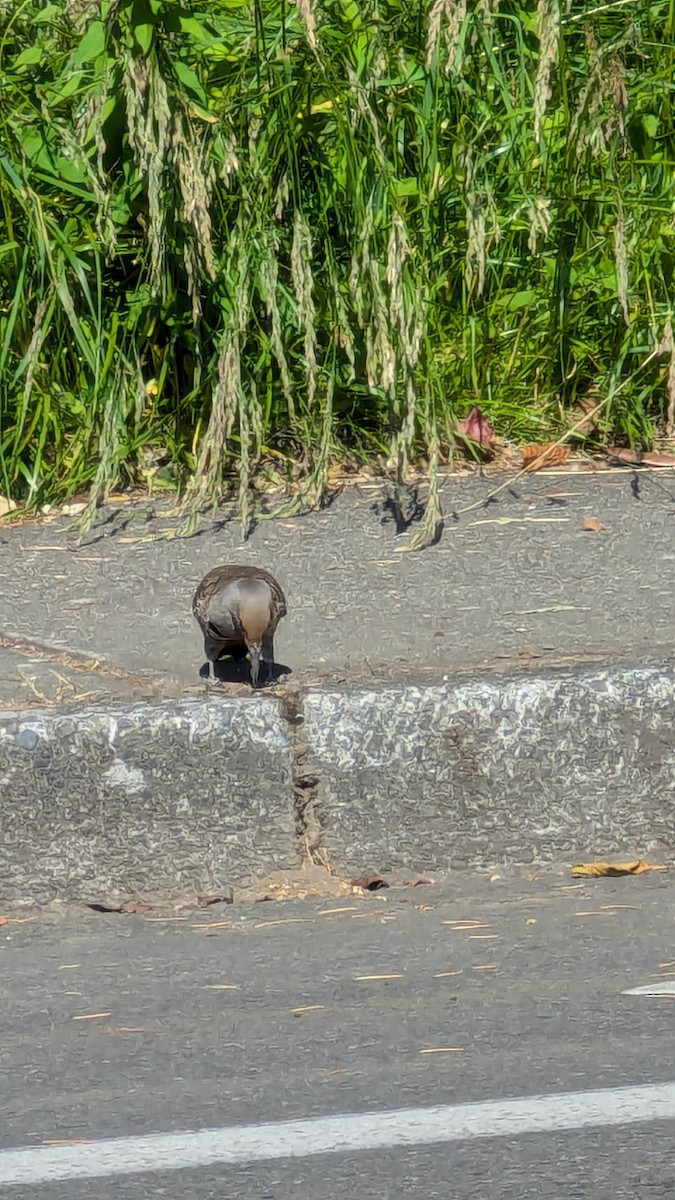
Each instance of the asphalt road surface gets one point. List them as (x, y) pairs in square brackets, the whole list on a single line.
[(182, 1033)]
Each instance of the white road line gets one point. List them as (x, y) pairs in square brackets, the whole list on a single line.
[(347, 1134)]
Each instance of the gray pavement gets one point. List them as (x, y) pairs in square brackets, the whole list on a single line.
[(169, 1021), (513, 581)]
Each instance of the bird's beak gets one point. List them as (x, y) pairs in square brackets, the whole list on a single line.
[(254, 655)]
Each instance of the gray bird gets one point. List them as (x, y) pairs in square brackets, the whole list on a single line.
[(238, 610)]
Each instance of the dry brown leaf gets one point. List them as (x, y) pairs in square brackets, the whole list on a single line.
[(593, 525), (416, 882), (599, 870), (369, 883), (549, 454), (128, 906)]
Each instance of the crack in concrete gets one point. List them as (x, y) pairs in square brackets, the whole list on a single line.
[(308, 827)]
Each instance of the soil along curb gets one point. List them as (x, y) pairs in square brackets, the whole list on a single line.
[(552, 766), (169, 799)]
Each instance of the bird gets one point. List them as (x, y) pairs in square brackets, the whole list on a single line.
[(238, 609)]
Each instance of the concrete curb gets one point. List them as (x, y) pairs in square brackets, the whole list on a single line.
[(186, 796), (165, 799), (557, 765)]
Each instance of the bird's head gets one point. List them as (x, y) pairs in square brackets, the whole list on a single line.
[(255, 620)]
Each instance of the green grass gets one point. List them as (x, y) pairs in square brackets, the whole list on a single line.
[(271, 235)]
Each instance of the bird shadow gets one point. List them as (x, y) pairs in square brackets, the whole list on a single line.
[(238, 670)]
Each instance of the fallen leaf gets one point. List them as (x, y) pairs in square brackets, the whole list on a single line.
[(599, 870), (593, 525), (548, 454), (475, 427), (369, 883), (416, 882)]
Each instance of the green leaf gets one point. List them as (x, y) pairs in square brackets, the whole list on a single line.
[(516, 300), (29, 57), (63, 184), (47, 14), (195, 29), (189, 80), (65, 86), (144, 34), (405, 187), (650, 124), (91, 45)]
